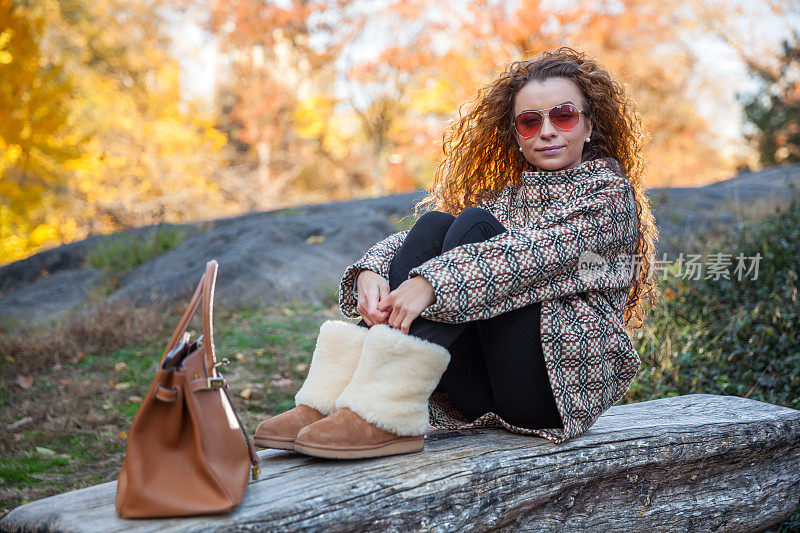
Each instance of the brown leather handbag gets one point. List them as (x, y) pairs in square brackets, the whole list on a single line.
[(185, 452)]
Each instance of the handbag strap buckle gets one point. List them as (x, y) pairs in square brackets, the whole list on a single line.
[(215, 383)]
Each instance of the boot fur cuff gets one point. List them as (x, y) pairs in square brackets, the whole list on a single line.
[(395, 377), (334, 360)]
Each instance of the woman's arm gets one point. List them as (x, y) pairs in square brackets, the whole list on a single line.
[(480, 280), (377, 258)]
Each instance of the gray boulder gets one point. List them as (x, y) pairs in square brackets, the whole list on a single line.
[(276, 257), (298, 254)]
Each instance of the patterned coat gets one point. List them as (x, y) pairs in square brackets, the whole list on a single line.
[(570, 244)]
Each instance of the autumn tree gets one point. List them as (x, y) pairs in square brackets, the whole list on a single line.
[(276, 98), (95, 135), (36, 140), (774, 113)]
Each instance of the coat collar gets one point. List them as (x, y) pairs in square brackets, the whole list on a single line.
[(584, 171)]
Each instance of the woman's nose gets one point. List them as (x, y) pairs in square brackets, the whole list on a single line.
[(548, 130)]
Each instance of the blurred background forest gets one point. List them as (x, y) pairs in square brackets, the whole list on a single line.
[(318, 100)]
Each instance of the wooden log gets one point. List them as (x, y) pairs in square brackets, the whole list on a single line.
[(691, 463)]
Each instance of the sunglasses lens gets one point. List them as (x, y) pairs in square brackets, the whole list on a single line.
[(564, 117), (528, 123)]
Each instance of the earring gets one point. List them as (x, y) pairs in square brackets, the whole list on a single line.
[(587, 139), (520, 148)]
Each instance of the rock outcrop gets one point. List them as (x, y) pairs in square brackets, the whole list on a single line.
[(299, 253)]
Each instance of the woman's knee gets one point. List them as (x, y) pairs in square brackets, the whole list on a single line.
[(429, 230), (474, 224), (435, 220)]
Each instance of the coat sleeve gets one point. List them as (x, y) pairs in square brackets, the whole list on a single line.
[(588, 243), (377, 258)]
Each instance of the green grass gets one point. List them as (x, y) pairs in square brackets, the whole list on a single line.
[(121, 253), (404, 223), (25, 468)]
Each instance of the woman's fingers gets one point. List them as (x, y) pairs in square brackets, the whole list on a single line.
[(384, 308), (363, 312), (406, 324), (383, 287), (395, 311), (371, 303)]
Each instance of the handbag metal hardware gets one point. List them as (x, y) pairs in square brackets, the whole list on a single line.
[(215, 383)]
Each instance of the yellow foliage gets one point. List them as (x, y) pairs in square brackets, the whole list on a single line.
[(312, 115), (434, 97), (99, 138)]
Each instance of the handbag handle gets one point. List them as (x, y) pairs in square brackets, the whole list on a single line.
[(204, 292)]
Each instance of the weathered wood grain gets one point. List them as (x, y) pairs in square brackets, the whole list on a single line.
[(691, 463)]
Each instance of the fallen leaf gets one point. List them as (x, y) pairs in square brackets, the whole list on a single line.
[(301, 367), (123, 435), (111, 383), (246, 393), (21, 422), (122, 365), (26, 382), (123, 386), (315, 239), (17, 437), (282, 382), (288, 312), (75, 359), (44, 451), (134, 399), (65, 381)]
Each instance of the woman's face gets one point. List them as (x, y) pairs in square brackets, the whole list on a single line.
[(563, 147)]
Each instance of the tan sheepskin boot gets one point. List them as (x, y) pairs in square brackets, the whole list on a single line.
[(384, 408), (334, 360)]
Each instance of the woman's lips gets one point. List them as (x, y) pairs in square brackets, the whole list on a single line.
[(550, 151)]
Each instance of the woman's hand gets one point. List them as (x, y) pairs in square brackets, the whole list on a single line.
[(407, 301), (372, 287)]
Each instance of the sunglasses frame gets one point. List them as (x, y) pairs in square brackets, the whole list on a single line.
[(546, 114)]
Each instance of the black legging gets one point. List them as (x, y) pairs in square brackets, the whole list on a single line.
[(496, 364)]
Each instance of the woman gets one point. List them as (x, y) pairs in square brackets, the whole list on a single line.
[(507, 305)]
